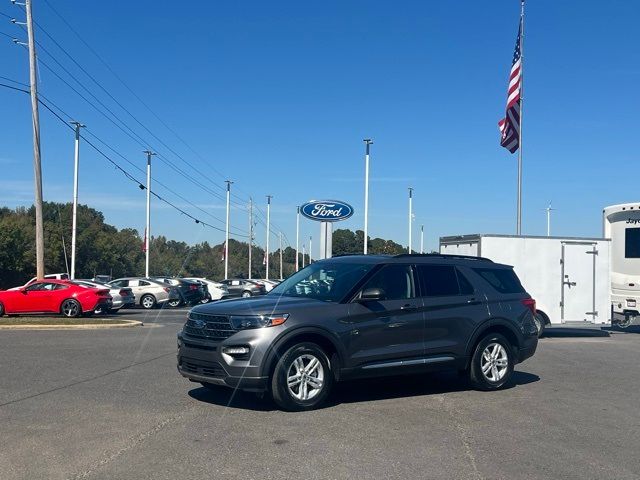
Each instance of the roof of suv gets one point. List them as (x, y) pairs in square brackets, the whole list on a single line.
[(415, 257)]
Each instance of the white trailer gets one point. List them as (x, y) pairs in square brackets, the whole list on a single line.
[(568, 277), (621, 224)]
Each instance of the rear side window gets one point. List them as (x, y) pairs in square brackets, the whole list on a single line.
[(442, 281), (504, 280)]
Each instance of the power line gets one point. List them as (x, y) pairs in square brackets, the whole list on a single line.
[(120, 168)]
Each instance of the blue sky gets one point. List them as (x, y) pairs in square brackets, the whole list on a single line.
[(278, 96)]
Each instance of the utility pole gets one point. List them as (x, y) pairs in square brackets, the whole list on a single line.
[(76, 166), (226, 234), (297, 237), (281, 256), (421, 238), (269, 197), (410, 216), (250, 232), (37, 167), (368, 142), (148, 227)]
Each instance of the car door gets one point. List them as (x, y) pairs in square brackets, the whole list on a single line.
[(389, 330), (452, 309), (37, 297)]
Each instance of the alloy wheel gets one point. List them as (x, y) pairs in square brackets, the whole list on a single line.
[(305, 377), (70, 308), (494, 362)]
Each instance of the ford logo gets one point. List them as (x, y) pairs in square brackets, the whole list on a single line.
[(326, 210), (199, 323)]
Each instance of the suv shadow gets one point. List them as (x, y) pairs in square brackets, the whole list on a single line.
[(366, 390)]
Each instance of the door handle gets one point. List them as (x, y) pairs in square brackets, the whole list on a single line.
[(472, 300), (409, 308)]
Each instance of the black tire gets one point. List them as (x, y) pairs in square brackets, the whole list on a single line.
[(206, 299), (246, 294), (541, 321), (284, 396), (113, 311), (148, 301), (483, 381), (1, 309), (70, 308), (174, 303)]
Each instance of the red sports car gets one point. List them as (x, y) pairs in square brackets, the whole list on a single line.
[(54, 296)]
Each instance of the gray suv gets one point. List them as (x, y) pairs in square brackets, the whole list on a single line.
[(362, 316)]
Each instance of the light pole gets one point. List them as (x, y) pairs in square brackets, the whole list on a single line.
[(310, 250), (304, 253), (410, 215), (269, 197), (147, 234), (74, 222), (281, 255), (421, 238), (226, 233), (297, 236), (549, 210), (367, 142), (250, 232)]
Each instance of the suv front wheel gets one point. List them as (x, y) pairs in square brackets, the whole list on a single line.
[(302, 378), (492, 363)]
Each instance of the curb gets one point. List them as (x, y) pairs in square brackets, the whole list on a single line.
[(93, 326)]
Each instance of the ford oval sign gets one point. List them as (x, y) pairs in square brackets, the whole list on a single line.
[(326, 210)]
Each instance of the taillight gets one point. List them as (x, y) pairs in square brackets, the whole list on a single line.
[(103, 293), (193, 287), (166, 289), (530, 303)]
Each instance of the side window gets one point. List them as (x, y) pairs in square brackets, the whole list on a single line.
[(465, 286), (59, 286), (395, 280), (504, 280), (48, 286), (133, 283), (142, 283), (34, 287), (120, 283), (439, 280), (632, 243), (235, 283)]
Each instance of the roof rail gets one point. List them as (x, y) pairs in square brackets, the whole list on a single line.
[(442, 255)]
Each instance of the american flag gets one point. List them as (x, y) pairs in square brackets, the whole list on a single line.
[(510, 125)]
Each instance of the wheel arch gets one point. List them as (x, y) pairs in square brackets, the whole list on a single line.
[(495, 325), (547, 320), (319, 336)]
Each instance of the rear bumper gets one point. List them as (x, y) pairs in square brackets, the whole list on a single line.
[(528, 348)]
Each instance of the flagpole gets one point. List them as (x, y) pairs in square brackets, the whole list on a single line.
[(519, 219)]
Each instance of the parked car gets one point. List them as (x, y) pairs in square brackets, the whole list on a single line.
[(50, 276), (268, 284), (149, 293), (102, 278), (215, 290), (362, 316), (240, 287), (54, 296), (191, 293), (121, 296)]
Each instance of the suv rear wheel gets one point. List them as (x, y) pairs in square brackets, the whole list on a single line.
[(302, 378), (492, 363)]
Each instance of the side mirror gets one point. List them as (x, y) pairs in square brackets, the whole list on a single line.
[(372, 295), (23, 290)]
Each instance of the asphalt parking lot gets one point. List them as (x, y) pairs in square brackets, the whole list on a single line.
[(109, 404)]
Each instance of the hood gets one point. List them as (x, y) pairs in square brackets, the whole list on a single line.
[(263, 305)]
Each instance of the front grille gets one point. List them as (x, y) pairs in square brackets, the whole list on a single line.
[(212, 327), (201, 367)]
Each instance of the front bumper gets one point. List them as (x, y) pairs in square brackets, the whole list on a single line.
[(204, 362)]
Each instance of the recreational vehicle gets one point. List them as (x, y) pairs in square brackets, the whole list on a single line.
[(621, 223)]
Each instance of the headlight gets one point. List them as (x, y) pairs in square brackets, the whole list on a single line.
[(241, 322)]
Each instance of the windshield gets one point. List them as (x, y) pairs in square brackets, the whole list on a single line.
[(327, 281)]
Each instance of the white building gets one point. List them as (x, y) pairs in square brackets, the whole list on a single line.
[(568, 277), (621, 223)]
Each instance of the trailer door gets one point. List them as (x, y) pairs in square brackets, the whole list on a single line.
[(578, 281)]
